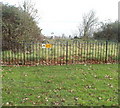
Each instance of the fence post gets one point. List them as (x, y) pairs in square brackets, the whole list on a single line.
[(106, 52), (24, 52), (66, 52)]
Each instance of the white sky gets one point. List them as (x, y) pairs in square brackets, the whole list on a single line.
[(63, 16)]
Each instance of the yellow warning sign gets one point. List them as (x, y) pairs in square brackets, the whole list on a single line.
[(48, 45)]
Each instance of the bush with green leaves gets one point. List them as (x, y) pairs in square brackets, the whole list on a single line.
[(18, 25)]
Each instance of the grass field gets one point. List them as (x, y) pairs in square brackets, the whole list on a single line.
[(72, 85)]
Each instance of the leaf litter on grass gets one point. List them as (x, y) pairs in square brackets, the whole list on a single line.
[(74, 85)]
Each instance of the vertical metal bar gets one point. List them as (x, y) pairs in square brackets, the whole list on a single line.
[(27, 51), (46, 55), (3, 55), (98, 55), (100, 50), (115, 50), (117, 53), (63, 52), (13, 53), (60, 54), (104, 45), (90, 51), (34, 52), (87, 51), (84, 52), (76, 46), (74, 53), (9, 52), (78, 52), (31, 52), (54, 53), (21, 55), (102, 53), (57, 52), (106, 52), (71, 52), (17, 50), (24, 52), (66, 52), (112, 51), (6, 56), (81, 46), (39, 52), (109, 52), (28, 54), (95, 50), (49, 56), (86, 56)]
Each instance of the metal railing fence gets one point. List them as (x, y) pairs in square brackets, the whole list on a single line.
[(59, 52)]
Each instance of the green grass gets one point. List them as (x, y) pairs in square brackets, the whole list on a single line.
[(72, 85)]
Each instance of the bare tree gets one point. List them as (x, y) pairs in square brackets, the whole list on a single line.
[(87, 25), (29, 7)]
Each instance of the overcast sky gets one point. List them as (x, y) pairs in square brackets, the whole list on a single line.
[(63, 16)]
